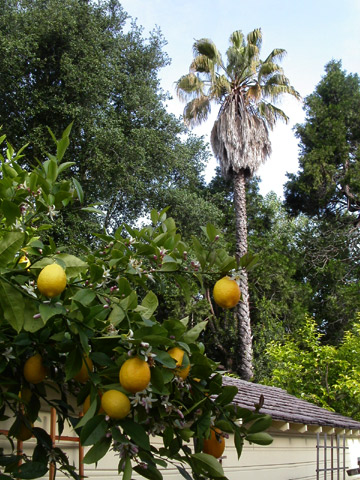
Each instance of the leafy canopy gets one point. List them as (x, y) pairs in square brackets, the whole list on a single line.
[(323, 374), (328, 180)]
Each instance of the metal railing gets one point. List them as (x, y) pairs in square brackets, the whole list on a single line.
[(333, 458)]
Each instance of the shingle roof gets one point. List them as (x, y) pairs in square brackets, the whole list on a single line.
[(285, 407)]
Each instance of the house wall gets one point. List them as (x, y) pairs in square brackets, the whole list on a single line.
[(291, 456)]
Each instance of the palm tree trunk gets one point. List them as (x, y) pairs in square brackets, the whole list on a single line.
[(244, 351)]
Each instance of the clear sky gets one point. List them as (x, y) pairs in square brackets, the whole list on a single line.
[(313, 32)]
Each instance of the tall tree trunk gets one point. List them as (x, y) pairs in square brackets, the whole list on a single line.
[(244, 353)]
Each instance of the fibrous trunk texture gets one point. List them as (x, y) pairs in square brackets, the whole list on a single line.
[(244, 341), (240, 141)]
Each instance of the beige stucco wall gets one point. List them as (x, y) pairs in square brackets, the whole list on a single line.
[(292, 456)]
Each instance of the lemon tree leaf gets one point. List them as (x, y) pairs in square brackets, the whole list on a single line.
[(31, 470), (260, 424), (31, 321), (84, 296), (11, 211), (184, 473), (93, 431), (164, 358), (207, 465), (239, 442), (117, 315), (148, 305), (150, 472), (97, 451), (191, 335), (136, 432), (73, 363), (12, 304), (260, 438), (227, 394), (9, 246), (79, 190), (49, 310), (127, 470), (89, 414), (154, 216), (169, 267), (74, 265)]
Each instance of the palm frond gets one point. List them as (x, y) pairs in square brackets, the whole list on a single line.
[(237, 62), (189, 86), (220, 87), (255, 38), (197, 110), (207, 47), (237, 39), (271, 113), (276, 55), (268, 68), (254, 92), (202, 64), (278, 85)]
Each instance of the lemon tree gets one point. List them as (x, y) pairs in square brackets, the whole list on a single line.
[(95, 333)]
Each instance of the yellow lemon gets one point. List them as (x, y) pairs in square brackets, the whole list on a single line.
[(215, 445), (226, 292), (83, 375), (134, 375), (24, 433), (178, 355), (115, 404), (34, 369), (51, 280)]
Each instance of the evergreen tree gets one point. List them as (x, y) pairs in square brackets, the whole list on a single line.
[(72, 61), (328, 181), (327, 189)]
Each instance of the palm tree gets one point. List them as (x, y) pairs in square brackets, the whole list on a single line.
[(246, 89)]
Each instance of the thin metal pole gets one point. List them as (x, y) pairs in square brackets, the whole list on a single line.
[(344, 456), (325, 438), (338, 455), (332, 457), (317, 456)]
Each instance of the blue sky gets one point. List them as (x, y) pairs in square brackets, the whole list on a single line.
[(312, 33)]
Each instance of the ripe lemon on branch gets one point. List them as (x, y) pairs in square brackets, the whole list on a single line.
[(24, 433), (226, 292), (51, 280), (83, 374), (178, 355), (215, 445), (134, 375), (115, 404), (34, 369)]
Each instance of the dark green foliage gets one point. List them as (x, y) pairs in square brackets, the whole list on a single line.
[(328, 181), (327, 189), (72, 61), (323, 374)]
